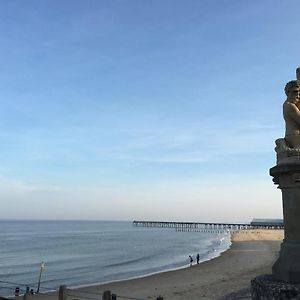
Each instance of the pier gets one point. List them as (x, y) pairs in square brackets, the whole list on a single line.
[(202, 226)]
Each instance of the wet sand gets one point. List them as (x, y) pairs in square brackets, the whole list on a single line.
[(252, 253)]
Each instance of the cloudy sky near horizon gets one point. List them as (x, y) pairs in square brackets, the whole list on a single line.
[(164, 110)]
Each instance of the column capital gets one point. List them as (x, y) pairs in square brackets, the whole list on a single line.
[(286, 175)]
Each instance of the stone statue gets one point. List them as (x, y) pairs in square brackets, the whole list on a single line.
[(284, 283), (286, 174), (288, 148), (291, 114)]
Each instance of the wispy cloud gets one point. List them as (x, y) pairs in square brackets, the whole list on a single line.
[(188, 142)]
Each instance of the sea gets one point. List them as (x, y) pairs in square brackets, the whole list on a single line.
[(79, 253)]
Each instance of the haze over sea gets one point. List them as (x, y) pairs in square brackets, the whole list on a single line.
[(87, 252)]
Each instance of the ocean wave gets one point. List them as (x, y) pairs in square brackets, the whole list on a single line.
[(131, 261), (128, 252)]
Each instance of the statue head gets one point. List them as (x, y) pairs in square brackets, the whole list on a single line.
[(292, 89)]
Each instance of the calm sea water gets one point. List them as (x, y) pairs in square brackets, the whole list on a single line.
[(87, 252)]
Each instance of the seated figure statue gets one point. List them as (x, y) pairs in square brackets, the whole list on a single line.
[(288, 149), (291, 114)]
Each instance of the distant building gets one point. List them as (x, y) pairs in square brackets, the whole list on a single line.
[(272, 223)]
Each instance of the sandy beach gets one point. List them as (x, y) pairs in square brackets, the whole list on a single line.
[(252, 253)]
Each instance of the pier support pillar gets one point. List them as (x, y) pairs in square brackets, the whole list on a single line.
[(287, 267)]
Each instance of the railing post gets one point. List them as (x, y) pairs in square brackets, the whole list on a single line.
[(106, 295), (62, 292)]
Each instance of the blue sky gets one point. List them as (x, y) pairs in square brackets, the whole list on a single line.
[(163, 110)]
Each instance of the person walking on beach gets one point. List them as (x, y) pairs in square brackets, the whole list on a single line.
[(191, 260), (198, 258)]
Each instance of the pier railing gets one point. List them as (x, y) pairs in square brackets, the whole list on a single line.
[(202, 226)]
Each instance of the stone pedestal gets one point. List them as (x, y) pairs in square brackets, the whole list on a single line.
[(287, 267)]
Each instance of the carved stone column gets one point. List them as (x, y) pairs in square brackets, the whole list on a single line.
[(284, 283), (287, 176)]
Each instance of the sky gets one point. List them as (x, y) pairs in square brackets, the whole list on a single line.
[(155, 110)]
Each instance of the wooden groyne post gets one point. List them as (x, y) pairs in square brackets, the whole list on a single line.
[(106, 295), (62, 292)]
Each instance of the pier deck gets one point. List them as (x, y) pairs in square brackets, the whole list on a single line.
[(203, 225)]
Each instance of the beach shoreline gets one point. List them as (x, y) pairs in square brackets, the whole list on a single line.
[(187, 265), (251, 253)]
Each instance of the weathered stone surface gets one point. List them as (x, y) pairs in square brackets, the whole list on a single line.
[(291, 114), (287, 267), (287, 175), (265, 287), (288, 148), (285, 154), (298, 73)]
